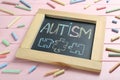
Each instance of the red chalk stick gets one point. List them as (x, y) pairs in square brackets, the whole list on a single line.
[(51, 5), (101, 8), (9, 3), (3, 56)]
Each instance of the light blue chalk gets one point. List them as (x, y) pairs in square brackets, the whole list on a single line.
[(3, 65), (115, 30), (32, 69), (76, 1), (14, 35), (25, 3)]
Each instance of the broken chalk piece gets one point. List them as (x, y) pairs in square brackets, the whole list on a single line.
[(51, 72), (25, 3), (114, 67), (3, 55), (115, 30), (23, 8), (32, 69), (14, 71), (87, 6), (3, 65), (76, 1), (58, 73), (5, 52), (58, 2), (5, 42), (14, 35), (21, 25)]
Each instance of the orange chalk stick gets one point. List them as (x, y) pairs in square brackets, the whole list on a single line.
[(114, 67), (3, 56)]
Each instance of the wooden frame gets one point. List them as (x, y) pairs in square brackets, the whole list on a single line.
[(93, 65)]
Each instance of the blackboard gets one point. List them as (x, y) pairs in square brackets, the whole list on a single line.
[(65, 37)]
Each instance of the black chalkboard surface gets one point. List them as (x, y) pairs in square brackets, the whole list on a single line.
[(66, 37)]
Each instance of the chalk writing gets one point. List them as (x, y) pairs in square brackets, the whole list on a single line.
[(45, 42), (77, 48), (60, 45)]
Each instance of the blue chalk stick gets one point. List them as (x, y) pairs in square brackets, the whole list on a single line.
[(32, 69), (76, 1), (115, 30), (14, 35), (3, 65), (113, 21), (25, 3)]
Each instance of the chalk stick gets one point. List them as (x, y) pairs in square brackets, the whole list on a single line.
[(100, 8), (118, 17), (58, 73), (113, 50), (7, 11), (32, 69), (3, 56), (23, 8), (112, 10), (15, 36), (5, 42), (76, 1), (25, 3), (58, 2), (9, 3), (115, 38), (3, 65), (115, 30), (107, 1), (114, 55), (87, 6), (52, 6), (114, 67), (21, 25), (5, 52), (113, 21), (95, 1), (13, 21), (13, 71), (51, 72)]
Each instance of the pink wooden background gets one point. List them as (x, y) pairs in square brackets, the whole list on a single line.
[(70, 74)]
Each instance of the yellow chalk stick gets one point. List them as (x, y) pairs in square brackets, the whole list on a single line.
[(59, 2), (13, 21), (58, 72), (113, 50), (87, 6), (5, 52), (95, 1), (114, 67), (7, 11), (115, 38), (51, 72)]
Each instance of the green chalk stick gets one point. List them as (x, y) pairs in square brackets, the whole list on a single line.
[(14, 71), (114, 55), (113, 10), (21, 25), (23, 7), (5, 42)]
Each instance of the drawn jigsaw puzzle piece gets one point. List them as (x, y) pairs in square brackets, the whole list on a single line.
[(45, 42), (76, 1), (77, 48), (60, 45)]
